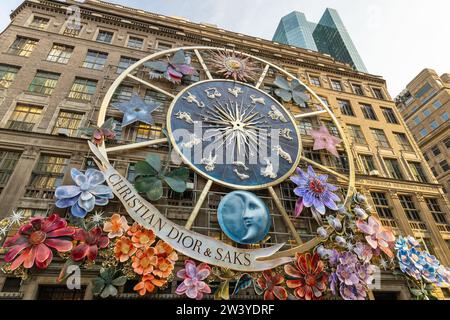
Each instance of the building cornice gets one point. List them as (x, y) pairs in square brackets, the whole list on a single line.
[(180, 30)]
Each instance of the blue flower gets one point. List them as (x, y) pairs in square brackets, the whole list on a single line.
[(314, 191), (86, 194)]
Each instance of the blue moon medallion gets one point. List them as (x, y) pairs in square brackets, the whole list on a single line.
[(244, 217)]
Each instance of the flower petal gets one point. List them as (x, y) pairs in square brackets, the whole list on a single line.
[(60, 245), (95, 177), (64, 192)]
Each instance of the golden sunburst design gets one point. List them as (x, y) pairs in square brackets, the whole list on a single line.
[(233, 65)]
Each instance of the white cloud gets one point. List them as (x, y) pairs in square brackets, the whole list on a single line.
[(396, 38)]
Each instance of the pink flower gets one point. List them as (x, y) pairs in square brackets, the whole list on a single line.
[(89, 244), (377, 235), (193, 285), (34, 240)]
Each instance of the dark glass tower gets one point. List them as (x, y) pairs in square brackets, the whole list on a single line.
[(328, 36), (296, 31)]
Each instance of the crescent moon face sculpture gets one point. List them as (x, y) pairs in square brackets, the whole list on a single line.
[(244, 217)]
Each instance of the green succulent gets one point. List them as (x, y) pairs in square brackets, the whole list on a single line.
[(106, 284), (150, 177)]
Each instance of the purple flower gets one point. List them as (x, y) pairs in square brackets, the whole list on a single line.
[(363, 251), (355, 292), (347, 274), (361, 213), (314, 191), (341, 241), (333, 281)]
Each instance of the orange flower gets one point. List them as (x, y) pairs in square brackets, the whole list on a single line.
[(164, 250), (164, 268), (134, 228), (116, 226), (144, 261), (124, 249), (143, 238), (148, 284)]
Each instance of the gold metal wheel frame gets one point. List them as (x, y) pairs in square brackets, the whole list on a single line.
[(127, 75)]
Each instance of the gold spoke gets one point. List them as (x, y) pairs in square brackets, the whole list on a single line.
[(148, 84), (198, 205), (330, 171), (284, 214), (137, 145), (203, 64), (309, 114), (263, 75)]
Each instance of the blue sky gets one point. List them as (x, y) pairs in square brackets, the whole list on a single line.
[(396, 38)]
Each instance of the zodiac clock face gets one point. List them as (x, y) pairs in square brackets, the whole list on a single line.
[(234, 134)]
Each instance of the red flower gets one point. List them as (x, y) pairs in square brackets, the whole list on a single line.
[(312, 280), (271, 285), (34, 241), (89, 244)]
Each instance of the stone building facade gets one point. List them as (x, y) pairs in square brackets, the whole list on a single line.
[(53, 79), (425, 106)]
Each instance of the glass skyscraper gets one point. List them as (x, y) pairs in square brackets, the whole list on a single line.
[(328, 36), (296, 31)]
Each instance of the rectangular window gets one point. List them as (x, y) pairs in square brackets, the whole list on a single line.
[(447, 142), (356, 134), (124, 63), (60, 53), (357, 89), (23, 46), (95, 60), (145, 132), (434, 125), (382, 205), (331, 128), (123, 93), (83, 89), (315, 81), (368, 112), (425, 155), (409, 207), (135, 43), (68, 123), (417, 121), (8, 161), (369, 164), (437, 104), (44, 83), (393, 168), (346, 108), (325, 101), (378, 93), (152, 96), (426, 113), (7, 75), (435, 173), (336, 85), (49, 172), (445, 117), (312, 155), (57, 292), (389, 115), (105, 36), (423, 132), (423, 90), (131, 172), (161, 46), (436, 211), (380, 138), (305, 126), (417, 171), (444, 165), (39, 23), (24, 117), (403, 141), (436, 151)]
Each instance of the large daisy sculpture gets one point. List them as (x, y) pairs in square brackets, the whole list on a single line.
[(233, 65)]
